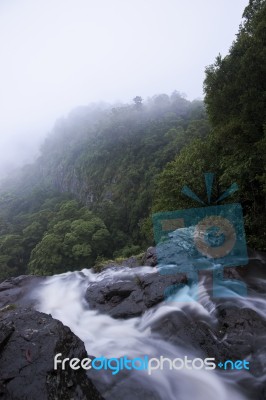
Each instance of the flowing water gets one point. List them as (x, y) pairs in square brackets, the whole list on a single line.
[(63, 296)]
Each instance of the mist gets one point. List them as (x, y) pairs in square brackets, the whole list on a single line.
[(57, 55)]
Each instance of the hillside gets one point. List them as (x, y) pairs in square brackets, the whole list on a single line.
[(107, 160), (104, 169)]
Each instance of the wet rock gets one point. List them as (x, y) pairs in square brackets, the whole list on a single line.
[(131, 262), (193, 334), (243, 330), (20, 290), (131, 296), (236, 335), (29, 341), (150, 257)]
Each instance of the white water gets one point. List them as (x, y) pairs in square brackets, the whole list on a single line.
[(62, 296)]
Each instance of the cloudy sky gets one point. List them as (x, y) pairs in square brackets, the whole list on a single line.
[(58, 54)]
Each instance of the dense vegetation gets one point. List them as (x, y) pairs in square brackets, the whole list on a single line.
[(235, 149), (105, 161), (103, 170)]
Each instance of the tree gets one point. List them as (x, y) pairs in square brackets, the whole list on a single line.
[(235, 90), (234, 149), (74, 239), (138, 102), (11, 259)]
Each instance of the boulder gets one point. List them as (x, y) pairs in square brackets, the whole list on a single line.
[(20, 290), (29, 340), (131, 296), (150, 257), (237, 335)]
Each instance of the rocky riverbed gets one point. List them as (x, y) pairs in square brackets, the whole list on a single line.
[(129, 303)]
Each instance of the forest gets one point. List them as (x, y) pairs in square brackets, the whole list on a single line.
[(105, 169)]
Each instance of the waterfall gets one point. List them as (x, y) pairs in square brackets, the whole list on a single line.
[(63, 296)]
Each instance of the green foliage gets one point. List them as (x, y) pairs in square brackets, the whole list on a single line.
[(235, 88), (11, 255), (74, 239), (103, 170), (108, 160), (128, 251), (186, 169), (113, 169), (59, 235)]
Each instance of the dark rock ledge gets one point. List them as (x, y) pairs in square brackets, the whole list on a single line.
[(29, 341)]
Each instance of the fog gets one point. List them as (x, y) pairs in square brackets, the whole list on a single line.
[(58, 54)]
